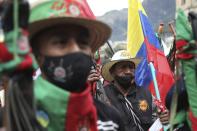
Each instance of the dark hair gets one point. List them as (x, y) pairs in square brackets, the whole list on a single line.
[(35, 47), (20, 102)]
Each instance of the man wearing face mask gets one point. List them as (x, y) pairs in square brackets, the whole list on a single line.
[(134, 104), (63, 35)]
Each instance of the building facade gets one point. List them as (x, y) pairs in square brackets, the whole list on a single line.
[(187, 5)]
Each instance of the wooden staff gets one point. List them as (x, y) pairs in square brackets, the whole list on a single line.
[(160, 29), (171, 28)]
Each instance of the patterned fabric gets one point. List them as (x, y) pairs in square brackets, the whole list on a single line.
[(16, 56)]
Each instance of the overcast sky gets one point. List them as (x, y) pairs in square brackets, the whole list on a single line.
[(100, 7)]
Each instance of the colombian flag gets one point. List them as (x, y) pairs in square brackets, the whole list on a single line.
[(142, 42)]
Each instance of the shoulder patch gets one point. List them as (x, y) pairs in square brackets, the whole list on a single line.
[(143, 105)]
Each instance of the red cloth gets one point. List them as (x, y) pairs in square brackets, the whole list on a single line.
[(179, 46), (81, 115), (26, 63), (164, 75), (193, 121), (5, 55)]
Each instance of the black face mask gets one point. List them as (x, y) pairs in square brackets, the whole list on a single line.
[(124, 81), (69, 72)]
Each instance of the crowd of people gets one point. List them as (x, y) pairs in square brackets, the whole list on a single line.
[(74, 92)]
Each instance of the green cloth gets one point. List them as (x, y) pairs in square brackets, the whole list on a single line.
[(190, 71), (183, 27), (21, 49), (47, 9), (184, 32), (53, 101), (180, 117)]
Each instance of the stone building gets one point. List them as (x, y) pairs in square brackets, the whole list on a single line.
[(187, 5)]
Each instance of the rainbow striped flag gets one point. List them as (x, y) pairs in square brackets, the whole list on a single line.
[(142, 42)]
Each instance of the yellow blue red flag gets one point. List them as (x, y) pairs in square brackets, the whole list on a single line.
[(142, 42)]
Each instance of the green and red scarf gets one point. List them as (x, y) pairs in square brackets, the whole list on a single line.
[(62, 110)]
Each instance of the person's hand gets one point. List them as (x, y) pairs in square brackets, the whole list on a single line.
[(164, 116), (94, 75)]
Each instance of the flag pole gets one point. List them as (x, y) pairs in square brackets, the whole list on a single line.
[(152, 67), (155, 81), (165, 127), (110, 48)]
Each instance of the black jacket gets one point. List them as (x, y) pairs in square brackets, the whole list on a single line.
[(140, 99), (108, 118)]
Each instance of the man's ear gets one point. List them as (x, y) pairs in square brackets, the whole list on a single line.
[(113, 75), (111, 71)]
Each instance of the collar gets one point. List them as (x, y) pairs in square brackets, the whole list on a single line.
[(131, 92)]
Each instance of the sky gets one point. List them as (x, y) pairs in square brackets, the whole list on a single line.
[(100, 7)]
